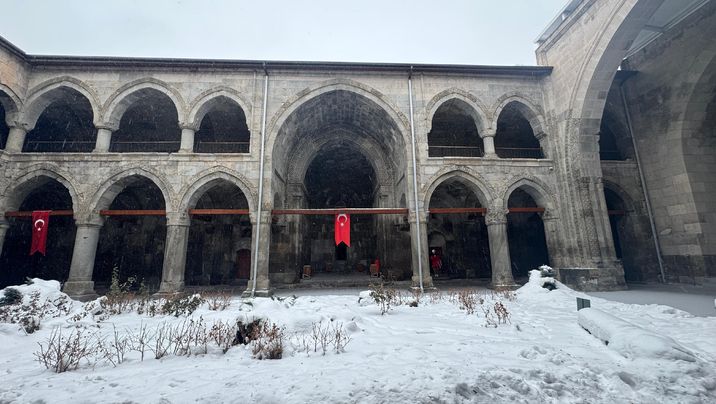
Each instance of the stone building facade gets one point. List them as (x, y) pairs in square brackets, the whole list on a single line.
[(498, 169)]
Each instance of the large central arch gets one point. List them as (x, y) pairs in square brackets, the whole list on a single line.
[(338, 147)]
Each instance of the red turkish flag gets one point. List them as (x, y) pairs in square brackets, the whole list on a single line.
[(343, 229), (40, 222)]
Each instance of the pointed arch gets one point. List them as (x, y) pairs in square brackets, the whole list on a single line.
[(206, 179), (110, 188), (536, 188), (292, 104), (44, 94), (528, 109), (482, 191), (206, 100), (22, 185), (118, 103), (477, 109), (11, 103)]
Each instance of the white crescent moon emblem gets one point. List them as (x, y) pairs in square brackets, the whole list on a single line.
[(345, 219), (42, 224)]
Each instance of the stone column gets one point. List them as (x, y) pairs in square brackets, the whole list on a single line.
[(488, 140), (263, 287), (187, 139), (80, 285), (104, 139), (554, 244), (496, 221), (4, 225), (15, 140), (423, 256), (175, 253)]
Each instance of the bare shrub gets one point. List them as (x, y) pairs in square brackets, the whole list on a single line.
[(162, 343), (503, 315), (490, 320), (468, 301), (217, 301), (321, 337), (341, 338), (223, 334), (383, 296), (140, 340), (435, 297), (61, 354), (190, 337), (267, 341), (114, 349)]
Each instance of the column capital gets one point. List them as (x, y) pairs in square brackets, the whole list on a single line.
[(88, 219), (496, 216), (489, 132), (188, 126)]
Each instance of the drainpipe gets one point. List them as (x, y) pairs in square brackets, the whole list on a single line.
[(415, 181), (643, 185), (261, 184)]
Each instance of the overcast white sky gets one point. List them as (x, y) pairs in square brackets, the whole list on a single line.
[(495, 32)]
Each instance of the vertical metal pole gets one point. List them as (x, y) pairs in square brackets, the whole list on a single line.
[(643, 185), (261, 184), (415, 181)]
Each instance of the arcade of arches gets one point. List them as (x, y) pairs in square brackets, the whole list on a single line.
[(195, 174)]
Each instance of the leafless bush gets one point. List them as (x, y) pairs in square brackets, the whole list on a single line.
[(61, 354), (267, 341), (340, 338), (162, 343), (383, 296), (468, 301), (321, 337), (435, 297), (190, 337), (503, 315), (217, 301), (140, 340), (490, 320), (114, 349), (223, 334)]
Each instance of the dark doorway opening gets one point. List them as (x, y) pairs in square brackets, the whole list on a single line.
[(15, 261), (460, 238), (132, 246), (526, 237), (219, 245)]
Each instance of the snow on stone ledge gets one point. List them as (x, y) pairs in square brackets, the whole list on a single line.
[(629, 339)]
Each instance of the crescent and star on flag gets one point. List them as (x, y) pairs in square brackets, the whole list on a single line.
[(343, 229), (40, 222)]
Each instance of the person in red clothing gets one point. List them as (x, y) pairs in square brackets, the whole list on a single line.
[(436, 263)]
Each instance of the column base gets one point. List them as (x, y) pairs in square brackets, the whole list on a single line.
[(80, 290), (503, 286), (427, 282), (170, 287), (263, 288)]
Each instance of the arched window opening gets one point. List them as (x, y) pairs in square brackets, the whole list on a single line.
[(459, 239), (64, 126), (219, 250), (132, 246), (223, 129), (150, 124), (4, 129), (515, 137), (608, 149), (526, 236), (454, 132), (15, 262)]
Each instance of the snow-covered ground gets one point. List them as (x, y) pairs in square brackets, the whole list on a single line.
[(433, 353), (699, 301)]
